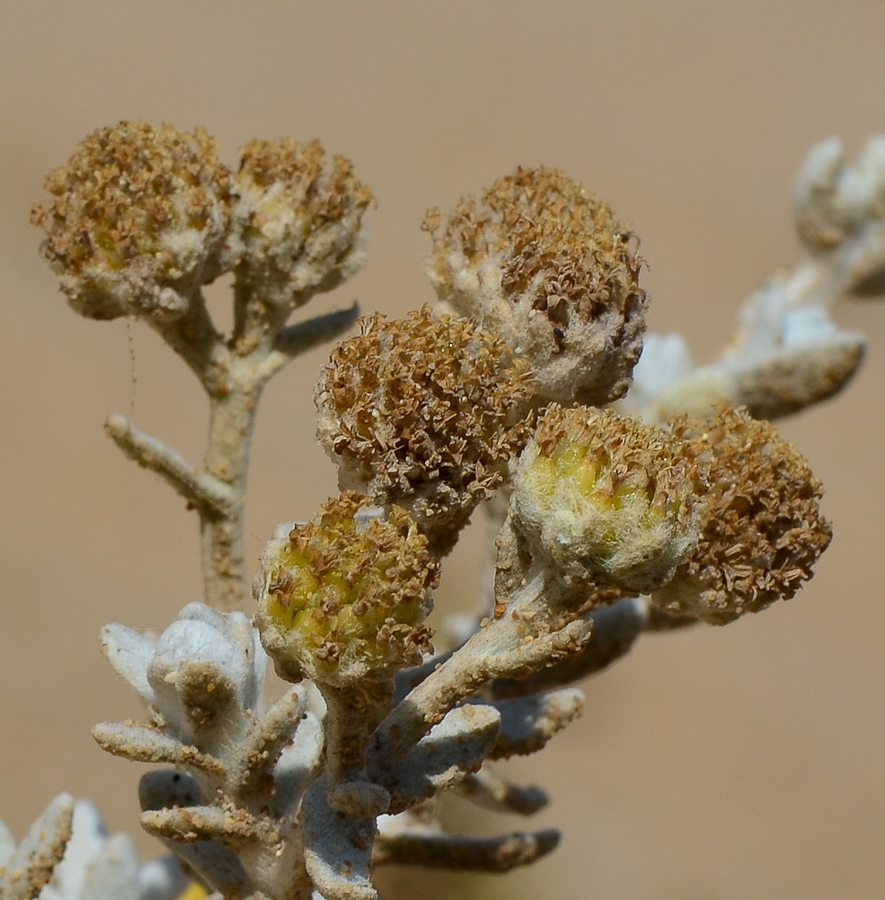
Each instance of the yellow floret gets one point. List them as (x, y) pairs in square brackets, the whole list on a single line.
[(605, 498), (342, 598)]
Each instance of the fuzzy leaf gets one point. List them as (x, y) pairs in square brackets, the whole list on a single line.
[(490, 790), (451, 751), (31, 864), (130, 653), (527, 723), (143, 744), (466, 854)]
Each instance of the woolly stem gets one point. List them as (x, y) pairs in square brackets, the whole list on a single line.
[(527, 636), (150, 453), (347, 727), (222, 542), (233, 373)]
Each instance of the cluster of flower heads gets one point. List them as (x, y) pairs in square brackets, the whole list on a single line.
[(142, 216), (713, 517), (499, 393), (709, 517)]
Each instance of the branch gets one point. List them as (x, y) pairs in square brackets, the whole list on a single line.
[(615, 629), (147, 745), (482, 658), (337, 849), (296, 339), (491, 790), (532, 629), (203, 491), (443, 851)]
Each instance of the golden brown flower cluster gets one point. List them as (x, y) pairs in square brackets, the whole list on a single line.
[(424, 414), (138, 221), (605, 498), (342, 599), (761, 529), (713, 517), (303, 229), (142, 216), (540, 261)]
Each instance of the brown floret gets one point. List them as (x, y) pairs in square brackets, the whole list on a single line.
[(762, 530), (542, 262), (303, 214), (425, 414), (138, 220)]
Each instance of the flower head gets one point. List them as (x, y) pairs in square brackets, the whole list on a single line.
[(139, 220), (605, 498), (303, 225), (424, 414), (761, 529), (541, 262), (342, 599)]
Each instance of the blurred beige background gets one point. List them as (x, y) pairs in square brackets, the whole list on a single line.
[(711, 765)]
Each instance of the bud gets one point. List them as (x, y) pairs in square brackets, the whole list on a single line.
[(138, 222), (303, 225), (341, 600), (425, 414), (605, 498), (832, 198), (760, 530), (840, 206), (541, 262)]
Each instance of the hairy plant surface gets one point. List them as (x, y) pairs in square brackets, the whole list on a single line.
[(629, 491)]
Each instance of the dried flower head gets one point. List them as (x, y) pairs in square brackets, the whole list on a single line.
[(424, 414), (303, 211), (341, 600), (605, 498), (761, 530), (138, 222), (540, 261)]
